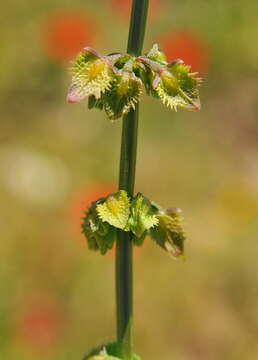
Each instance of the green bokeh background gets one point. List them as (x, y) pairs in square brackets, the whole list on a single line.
[(56, 297)]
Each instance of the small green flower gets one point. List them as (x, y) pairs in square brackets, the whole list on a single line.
[(169, 233), (172, 83), (123, 96), (92, 74), (176, 86)]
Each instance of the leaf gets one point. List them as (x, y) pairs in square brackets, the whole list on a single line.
[(143, 215), (169, 234), (100, 236), (115, 210)]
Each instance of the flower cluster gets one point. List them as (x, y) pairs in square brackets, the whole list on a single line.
[(138, 215), (115, 82)]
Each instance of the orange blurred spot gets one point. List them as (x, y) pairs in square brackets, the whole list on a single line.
[(187, 46), (40, 323), (65, 34)]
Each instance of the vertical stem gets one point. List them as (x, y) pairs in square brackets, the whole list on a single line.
[(124, 268)]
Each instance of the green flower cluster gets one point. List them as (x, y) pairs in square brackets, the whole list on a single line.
[(115, 82), (138, 215)]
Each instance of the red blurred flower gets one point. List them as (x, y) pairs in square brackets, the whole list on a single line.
[(65, 34), (124, 6), (40, 323), (187, 46), (82, 198)]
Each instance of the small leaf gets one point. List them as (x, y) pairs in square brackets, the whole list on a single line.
[(169, 233), (143, 215), (100, 236), (115, 210)]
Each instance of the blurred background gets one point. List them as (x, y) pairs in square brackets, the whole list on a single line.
[(57, 298)]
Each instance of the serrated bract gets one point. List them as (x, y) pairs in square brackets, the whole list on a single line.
[(115, 210), (123, 96), (143, 215), (169, 233), (92, 74), (177, 87), (100, 236)]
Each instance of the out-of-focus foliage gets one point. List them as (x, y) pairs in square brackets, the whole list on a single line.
[(57, 297)]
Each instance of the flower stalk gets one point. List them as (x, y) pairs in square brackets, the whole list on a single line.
[(124, 249), (114, 83)]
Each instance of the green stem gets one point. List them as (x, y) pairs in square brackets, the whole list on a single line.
[(124, 268)]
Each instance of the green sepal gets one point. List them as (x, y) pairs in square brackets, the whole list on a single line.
[(169, 233), (143, 216), (115, 210), (100, 236)]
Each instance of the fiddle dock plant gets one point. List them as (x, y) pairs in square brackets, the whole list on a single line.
[(114, 83)]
